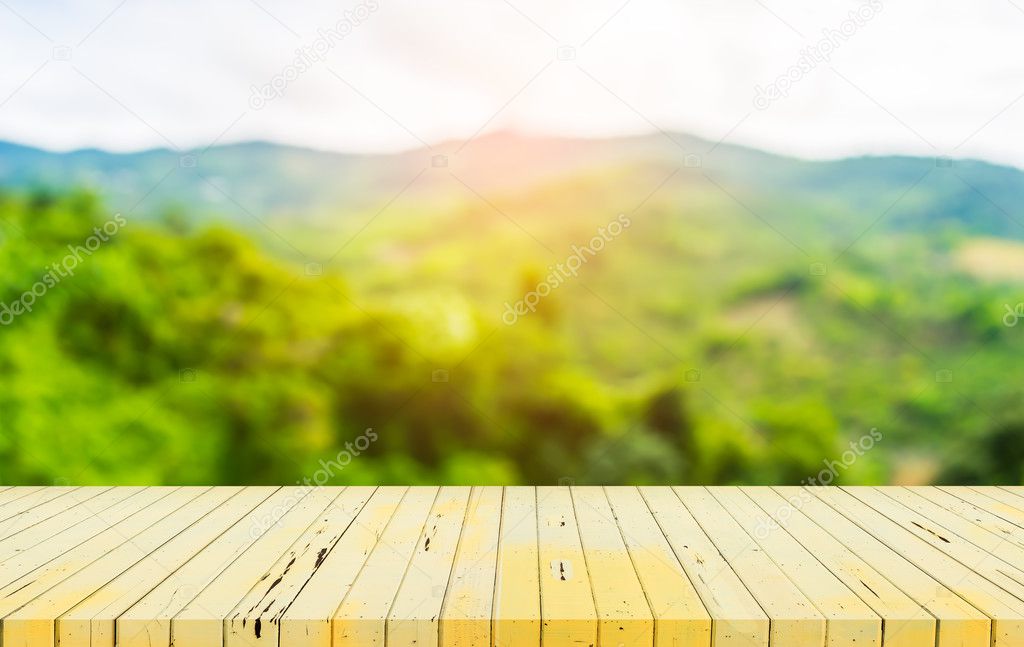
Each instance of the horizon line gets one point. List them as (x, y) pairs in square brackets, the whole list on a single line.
[(504, 132)]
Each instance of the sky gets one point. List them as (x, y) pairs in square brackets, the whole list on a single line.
[(857, 77)]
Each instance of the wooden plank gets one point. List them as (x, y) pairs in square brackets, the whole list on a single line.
[(30, 548), (1016, 490), (794, 620), (34, 530), (624, 616), (413, 618), (569, 617), (998, 503), (34, 622), (362, 616), (15, 493), (737, 620), (977, 560), (148, 622), (976, 515), (201, 622), (680, 617), (493, 567), (959, 623), (994, 543), (91, 622), (30, 571), (469, 601), (999, 493), (1006, 611), (849, 622), (34, 500), (307, 622), (255, 620), (517, 614), (905, 622)]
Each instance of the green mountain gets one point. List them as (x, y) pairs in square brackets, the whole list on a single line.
[(681, 311), (239, 181)]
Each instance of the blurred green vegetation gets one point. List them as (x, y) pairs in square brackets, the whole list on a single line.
[(699, 347)]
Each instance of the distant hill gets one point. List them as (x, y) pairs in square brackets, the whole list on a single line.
[(237, 181)]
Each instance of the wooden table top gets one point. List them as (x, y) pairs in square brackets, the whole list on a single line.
[(510, 567)]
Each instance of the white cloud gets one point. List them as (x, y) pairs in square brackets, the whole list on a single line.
[(919, 77)]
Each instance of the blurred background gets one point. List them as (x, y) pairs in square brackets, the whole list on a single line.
[(508, 242)]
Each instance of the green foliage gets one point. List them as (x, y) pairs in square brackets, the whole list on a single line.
[(682, 353)]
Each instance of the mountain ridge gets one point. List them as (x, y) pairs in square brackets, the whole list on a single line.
[(235, 181)]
